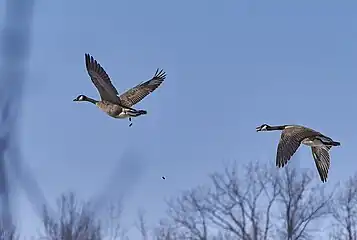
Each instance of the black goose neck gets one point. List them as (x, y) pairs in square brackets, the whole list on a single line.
[(91, 100), (272, 128)]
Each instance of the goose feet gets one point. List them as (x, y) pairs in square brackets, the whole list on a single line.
[(130, 122)]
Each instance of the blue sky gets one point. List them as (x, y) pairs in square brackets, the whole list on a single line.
[(231, 66)]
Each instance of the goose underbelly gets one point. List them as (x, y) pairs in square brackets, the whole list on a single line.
[(116, 111), (118, 114), (127, 113), (122, 115), (312, 143)]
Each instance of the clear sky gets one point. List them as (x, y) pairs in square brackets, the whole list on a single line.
[(231, 66)]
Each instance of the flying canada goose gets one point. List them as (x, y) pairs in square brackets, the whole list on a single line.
[(291, 138), (112, 104)]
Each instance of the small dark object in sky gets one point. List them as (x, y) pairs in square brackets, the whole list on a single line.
[(163, 178)]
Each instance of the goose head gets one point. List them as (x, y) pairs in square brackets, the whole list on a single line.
[(263, 127), (81, 98)]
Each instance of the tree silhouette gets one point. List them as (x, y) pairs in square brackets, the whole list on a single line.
[(256, 202), (7, 233), (345, 211), (77, 221)]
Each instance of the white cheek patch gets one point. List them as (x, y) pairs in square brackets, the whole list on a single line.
[(81, 98), (264, 128)]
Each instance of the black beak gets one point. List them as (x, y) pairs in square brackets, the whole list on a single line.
[(75, 100)]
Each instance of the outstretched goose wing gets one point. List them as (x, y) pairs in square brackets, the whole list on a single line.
[(101, 80), (290, 141), (137, 93), (322, 160)]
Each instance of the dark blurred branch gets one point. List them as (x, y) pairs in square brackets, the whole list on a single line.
[(14, 52)]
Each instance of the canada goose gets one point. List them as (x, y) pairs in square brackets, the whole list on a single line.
[(114, 106), (291, 138)]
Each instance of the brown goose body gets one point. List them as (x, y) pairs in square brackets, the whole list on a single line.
[(114, 110), (293, 136)]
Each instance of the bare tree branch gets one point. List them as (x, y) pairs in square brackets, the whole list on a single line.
[(189, 214), (302, 204), (166, 231), (76, 221), (345, 212), (111, 226), (142, 225), (242, 204), (250, 203), (8, 234)]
